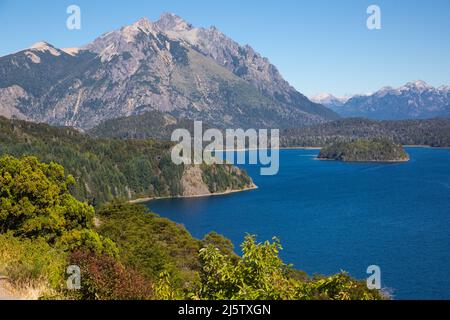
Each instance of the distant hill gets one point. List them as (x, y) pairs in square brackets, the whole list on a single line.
[(152, 124), (107, 169), (415, 100), (434, 132), (167, 65), (364, 150)]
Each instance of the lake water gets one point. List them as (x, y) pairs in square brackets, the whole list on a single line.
[(331, 216)]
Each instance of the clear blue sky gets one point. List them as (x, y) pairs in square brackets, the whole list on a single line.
[(318, 46)]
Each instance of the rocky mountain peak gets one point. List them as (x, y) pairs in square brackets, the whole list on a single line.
[(172, 22), (167, 66), (418, 85), (127, 39), (143, 24)]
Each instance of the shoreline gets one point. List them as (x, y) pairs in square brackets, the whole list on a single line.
[(204, 195), (320, 148), (257, 149), (365, 161), (423, 146), (254, 187)]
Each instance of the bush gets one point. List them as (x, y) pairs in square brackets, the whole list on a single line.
[(31, 262), (90, 240), (337, 287), (103, 278), (261, 275), (152, 245)]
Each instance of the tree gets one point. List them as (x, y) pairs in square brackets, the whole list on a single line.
[(35, 202)]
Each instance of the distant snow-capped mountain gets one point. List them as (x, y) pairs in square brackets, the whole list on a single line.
[(329, 100), (414, 100), (167, 65)]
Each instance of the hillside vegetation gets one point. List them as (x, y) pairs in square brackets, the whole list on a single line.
[(107, 169), (433, 132), (377, 150), (125, 252), (153, 124)]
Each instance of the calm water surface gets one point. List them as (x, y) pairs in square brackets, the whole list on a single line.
[(331, 216)]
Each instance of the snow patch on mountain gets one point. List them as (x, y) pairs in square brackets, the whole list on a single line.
[(33, 57), (71, 51), (45, 47), (329, 100)]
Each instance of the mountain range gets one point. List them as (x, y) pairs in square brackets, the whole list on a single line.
[(414, 100), (167, 66), (329, 100)]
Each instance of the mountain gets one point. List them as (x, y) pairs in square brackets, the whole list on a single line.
[(27, 76), (415, 100), (329, 101), (167, 66)]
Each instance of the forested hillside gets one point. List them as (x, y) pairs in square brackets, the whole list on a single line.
[(433, 132), (153, 124), (361, 150), (107, 169)]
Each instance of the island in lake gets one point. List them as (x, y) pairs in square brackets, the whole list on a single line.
[(365, 150)]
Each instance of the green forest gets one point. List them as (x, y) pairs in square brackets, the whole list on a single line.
[(380, 150), (108, 169), (431, 132)]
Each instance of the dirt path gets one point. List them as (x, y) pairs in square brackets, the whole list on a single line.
[(5, 292)]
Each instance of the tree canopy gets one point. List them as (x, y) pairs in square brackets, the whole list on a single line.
[(35, 202)]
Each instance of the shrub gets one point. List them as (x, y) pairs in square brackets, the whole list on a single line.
[(104, 278), (151, 244), (260, 275), (31, 262), (90, 240)]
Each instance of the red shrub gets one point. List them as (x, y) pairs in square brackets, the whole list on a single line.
[(104, 278)]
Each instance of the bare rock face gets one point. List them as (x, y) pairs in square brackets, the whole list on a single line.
[(10, 100), (172, 22), (167, 66), (192, 182)]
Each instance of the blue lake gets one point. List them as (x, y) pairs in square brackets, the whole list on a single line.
[(331, 216)]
